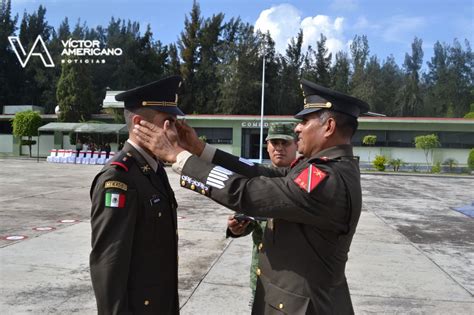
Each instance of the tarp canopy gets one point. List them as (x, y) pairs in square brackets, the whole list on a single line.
[(54, 126), (85, 128), (101, 128)]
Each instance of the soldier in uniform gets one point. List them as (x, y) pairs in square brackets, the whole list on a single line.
[(315, 203), (133, 262), (281, 148)]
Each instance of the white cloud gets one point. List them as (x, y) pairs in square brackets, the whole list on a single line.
[(284, 22), (399, 27)]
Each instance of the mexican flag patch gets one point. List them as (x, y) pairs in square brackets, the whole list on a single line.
[(114, 199)]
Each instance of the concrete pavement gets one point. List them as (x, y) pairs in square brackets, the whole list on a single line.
[(412, 254)]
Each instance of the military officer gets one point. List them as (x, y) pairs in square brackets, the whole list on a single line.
[(315, 203), (133, 261), (281, 148)]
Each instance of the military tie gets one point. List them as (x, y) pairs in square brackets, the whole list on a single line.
[(160, 171)]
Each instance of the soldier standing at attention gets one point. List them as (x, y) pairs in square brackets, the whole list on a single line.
[(281, 148), (315, 203), (133, 262)]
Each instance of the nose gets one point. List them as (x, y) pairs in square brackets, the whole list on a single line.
[(297, 129)]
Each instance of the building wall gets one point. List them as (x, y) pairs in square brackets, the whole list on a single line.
[(412, 155), (6, 144)]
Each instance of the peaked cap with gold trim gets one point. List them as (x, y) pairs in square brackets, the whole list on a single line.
[(317, 97), (160, 95)]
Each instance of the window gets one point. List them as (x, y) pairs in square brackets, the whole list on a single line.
[(406, 139), (216, 135)]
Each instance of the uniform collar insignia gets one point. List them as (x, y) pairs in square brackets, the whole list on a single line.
[(146, 168)]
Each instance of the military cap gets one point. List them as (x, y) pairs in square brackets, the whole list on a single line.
[(317, 97), (160, 95), (283, 131)]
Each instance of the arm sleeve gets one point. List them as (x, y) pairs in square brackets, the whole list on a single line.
[(276, 197), (245, 167), (112, 238)]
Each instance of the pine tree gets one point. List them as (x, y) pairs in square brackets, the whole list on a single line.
[(391, 83), (35, 87), (323, 62), (410, 99), (9, 65), (240, 70), (206, 81), (340, 72), (360, 55), (290, 94), (74, 93), (188, 45)]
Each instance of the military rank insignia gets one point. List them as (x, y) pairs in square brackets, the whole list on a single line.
[(310, 178), (217, 176), (115, 199)]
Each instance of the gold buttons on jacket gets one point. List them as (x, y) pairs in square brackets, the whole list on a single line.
[(193, 187), (280, 306), (260, 246), (146, 302), (183, 183), (258, 272)]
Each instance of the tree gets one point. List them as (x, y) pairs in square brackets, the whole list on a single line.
[(26, 124), (410, 99), (360, 54), (323, 62), (470, 115), (74, 93), (427, 143), (36, 87), (369, 140), (206, 80), (340, 72), (391, 83), (290, 95), (9, 74), (189, 45), (240, 78), (470, 160)]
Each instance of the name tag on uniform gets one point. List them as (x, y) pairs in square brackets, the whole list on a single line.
[(154, 200)]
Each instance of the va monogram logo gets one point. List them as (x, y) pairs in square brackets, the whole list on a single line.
[(34, 51)]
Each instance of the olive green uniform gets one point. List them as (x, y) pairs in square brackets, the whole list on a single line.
[(315, 205), (134, 267), (256, 228)]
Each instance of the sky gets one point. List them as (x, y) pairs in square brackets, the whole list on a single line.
[(390, 25)]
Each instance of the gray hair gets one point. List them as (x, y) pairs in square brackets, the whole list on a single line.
[(346, 124)]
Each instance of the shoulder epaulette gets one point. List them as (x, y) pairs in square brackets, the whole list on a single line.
[(124, 160), (325, 159), (296, 161), (322, 160)]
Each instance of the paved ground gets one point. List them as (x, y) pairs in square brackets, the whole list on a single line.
[(412, 254)]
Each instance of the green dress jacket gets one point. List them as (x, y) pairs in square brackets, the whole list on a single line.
[(315, 205), (133, 262)]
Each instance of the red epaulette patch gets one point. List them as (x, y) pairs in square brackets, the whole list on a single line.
[(121, 165), (310, 178), (296, 161), (124, 160)]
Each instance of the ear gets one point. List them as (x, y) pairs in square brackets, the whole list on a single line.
[(330, 127), (136, 119)]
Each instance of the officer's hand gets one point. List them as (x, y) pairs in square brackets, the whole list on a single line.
[(163, 142), (188, 138), (236, 227)]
